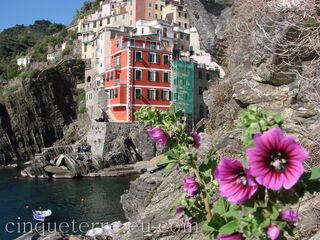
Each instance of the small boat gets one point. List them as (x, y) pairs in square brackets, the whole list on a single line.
[(42, 215)]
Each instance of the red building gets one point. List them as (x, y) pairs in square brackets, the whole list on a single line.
[(139, 76)]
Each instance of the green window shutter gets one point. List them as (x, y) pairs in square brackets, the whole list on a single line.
[(162, 95), (165, 77), (158, 58), (149, 75), (149, 57), (148, 94), (157, 76), (170, 95), (157, 94)]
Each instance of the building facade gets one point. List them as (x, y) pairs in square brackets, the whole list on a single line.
[(139, 76)]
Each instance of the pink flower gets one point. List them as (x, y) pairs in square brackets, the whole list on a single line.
[(180, 210), (158, 136), (273, 232), (235, 183), (276, 160), (196, 139), (171, 134), (289, 216), (232, 236), (190, 187)]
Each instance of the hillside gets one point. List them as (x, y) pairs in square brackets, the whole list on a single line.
[(16, 41)]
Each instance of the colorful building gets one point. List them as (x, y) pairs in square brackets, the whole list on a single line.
[(189, 80), (145, 10), (176, 12), (139, 76)]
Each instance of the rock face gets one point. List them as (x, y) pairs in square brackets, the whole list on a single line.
[(127, 143), (268, 62), (33, 117)]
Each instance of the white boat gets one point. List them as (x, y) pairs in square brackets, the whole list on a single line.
[(42, 215)]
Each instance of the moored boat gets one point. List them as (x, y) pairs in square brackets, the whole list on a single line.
[(42, 215)]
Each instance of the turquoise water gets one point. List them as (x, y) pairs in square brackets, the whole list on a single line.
[(63, 196)]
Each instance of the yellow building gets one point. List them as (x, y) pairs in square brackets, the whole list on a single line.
[(176, 12)]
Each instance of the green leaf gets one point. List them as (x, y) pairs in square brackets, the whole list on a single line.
[(208, 165), (165, 161), (264, 223), (169, 168), (230, 227), (314, 175), (221, 207)]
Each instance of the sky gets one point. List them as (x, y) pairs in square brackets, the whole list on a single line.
[(25, 12)]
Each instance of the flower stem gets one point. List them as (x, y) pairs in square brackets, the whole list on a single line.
[(206, 199)]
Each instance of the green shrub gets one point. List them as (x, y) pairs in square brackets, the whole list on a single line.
[(34, 73), (82, 109)]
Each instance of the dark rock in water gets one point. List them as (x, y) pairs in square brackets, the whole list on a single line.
[(33, 117)]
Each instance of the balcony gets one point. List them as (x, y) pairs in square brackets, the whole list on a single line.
[(143, 46), (117, 82)]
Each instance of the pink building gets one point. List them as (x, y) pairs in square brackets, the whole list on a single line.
[(145, 10)]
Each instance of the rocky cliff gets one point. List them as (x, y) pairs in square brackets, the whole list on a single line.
[(34, 116), (270, 53)]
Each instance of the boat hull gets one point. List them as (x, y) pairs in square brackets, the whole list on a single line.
[(41, 218)]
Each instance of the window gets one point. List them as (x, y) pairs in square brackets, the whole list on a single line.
[(152, 94), (131, 13), (161, 7), (100, 23), (94, 24), (131, 3), (153, 46), (200, 90), (85, 47), (179, 14), (108, 20), (208, 76), (185, 15), (137, 93), (115, 19), (118, 61), (166, 77), (138, 75), (153, 76), (185, 25), (166, 59), (116, 93), (142, 30), (179, 23), (156, 6), (153, 58), (165, 32), (200, 74), (156, 15), (201, 111), (131, 42), (165, 95), (150, 4), (131, 22), (150, 15), (123, 16), (117, 44), (181, 35), (138, 57)]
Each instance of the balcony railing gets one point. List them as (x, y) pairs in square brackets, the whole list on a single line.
[(143, 45)]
